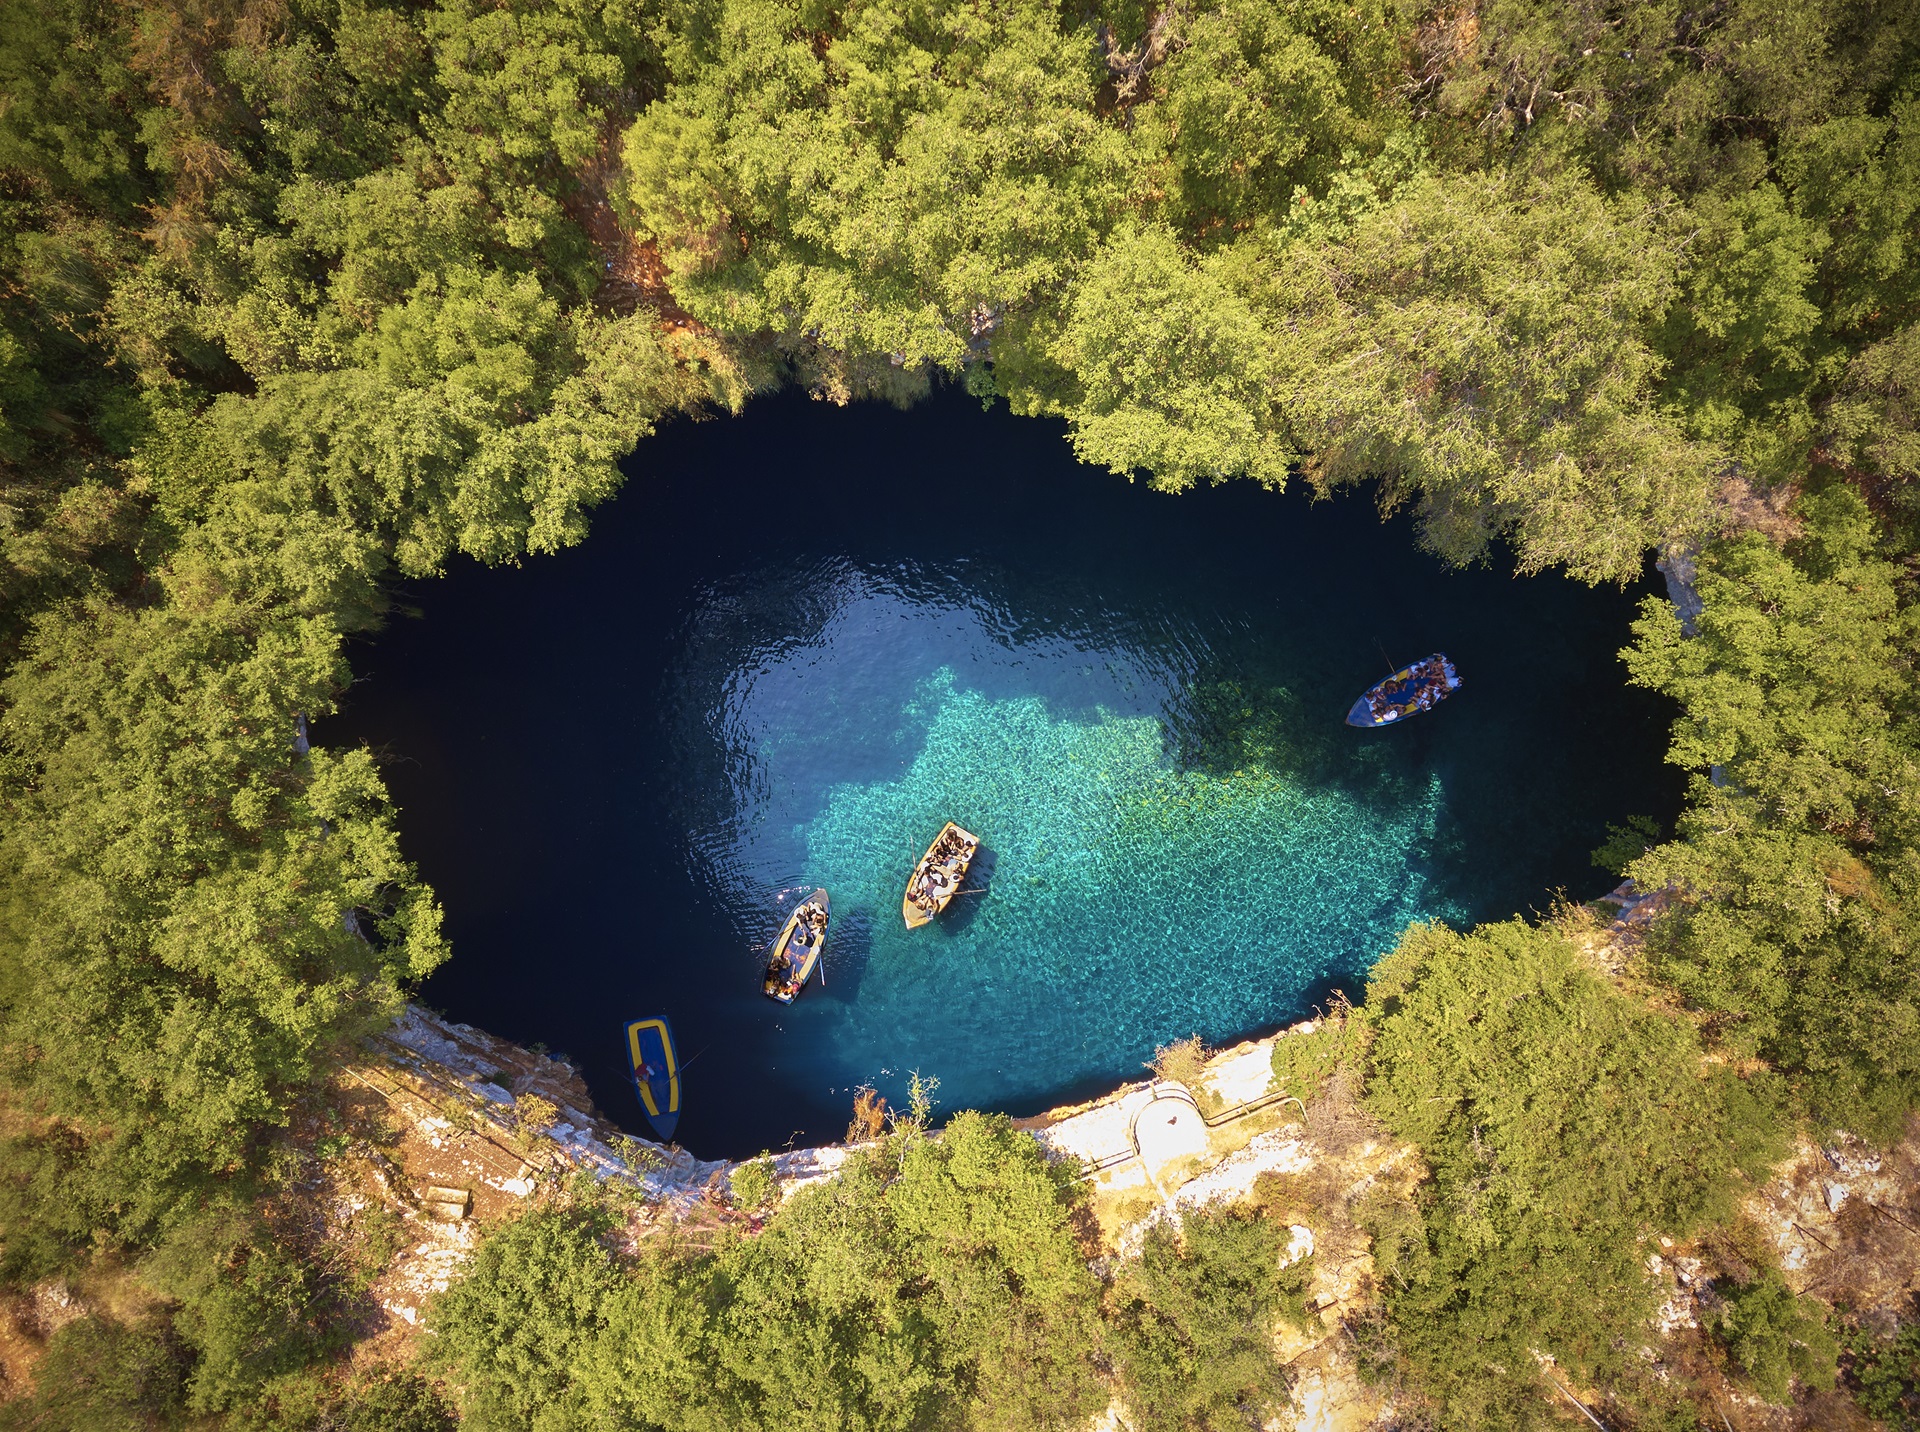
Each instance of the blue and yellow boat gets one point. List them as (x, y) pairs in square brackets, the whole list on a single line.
[(656, 1072), (1408, 692)]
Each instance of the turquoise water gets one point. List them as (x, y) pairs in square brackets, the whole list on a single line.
[(767, 671), (1126, 893)]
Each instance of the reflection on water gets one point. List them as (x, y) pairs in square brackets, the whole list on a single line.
[(760, 675)]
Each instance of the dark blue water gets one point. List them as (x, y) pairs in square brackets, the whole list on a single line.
[(802, 639)]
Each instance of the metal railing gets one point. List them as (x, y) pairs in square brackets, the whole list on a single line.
[(1168, 1089)]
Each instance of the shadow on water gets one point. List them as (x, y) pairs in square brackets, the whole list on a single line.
[(849, 950), (1226, 728)]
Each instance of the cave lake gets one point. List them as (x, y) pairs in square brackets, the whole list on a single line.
[(801, 639)]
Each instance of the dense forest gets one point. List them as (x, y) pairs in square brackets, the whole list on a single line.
[(304, 296)]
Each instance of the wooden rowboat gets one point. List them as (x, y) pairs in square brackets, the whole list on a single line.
[(796, 954), (936, 879)]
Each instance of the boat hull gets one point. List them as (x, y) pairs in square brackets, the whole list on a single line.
[(1406, 693), (793, 961), (938, 876), (656, 1072)]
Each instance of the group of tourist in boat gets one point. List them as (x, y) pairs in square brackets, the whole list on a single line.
[(796, 954), (936, 879), (934, 882), (1407, 692)]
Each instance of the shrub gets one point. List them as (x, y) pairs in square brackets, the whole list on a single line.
[(248, 1306), (1776, 1337), (1884, 1375), (1562, 1123), (1182, 1061), (379, 1400), (754, 1183), (1303, 1062), (933, 1283), (99, 1375), (1193, 1321), (515, 1327), (869, 1116)]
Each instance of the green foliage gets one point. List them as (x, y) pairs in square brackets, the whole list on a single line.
[(1802, 860), (1259, 105), (932, 1283), (1627, 843), (295, 300), (519, 1321), (1194, 1317), (196, 914), (753, 1183), (1481, 345), (382, 1399), (880, 181), (1777, 1337), (1884, 1374), (99, 1375), (1874, 420), (1171, 367), (305, 297), (1303, 1062), (247, 1306), (1562, 1122)]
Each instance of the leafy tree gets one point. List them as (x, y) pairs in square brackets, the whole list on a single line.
[(197, 913), (1169, 361), (1777, 1337), (1800, 859), (518, 1322), (1562, 1122), (246, 1306), (1481, 345), (1257, 105), (1627, 843), (1194, 1317), (101, 1375), (880, 181), (1884, 1374), (931, 1283)]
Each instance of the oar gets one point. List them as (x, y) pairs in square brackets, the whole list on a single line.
[(1391, 668), (683, 1068)]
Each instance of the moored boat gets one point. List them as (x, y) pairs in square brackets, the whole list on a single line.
[(936, 879), (656, 1072), (796, 954), (1408, 692)]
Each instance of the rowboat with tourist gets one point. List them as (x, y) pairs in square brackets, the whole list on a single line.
[(1407, 692), (796, 954), (936, 879)]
